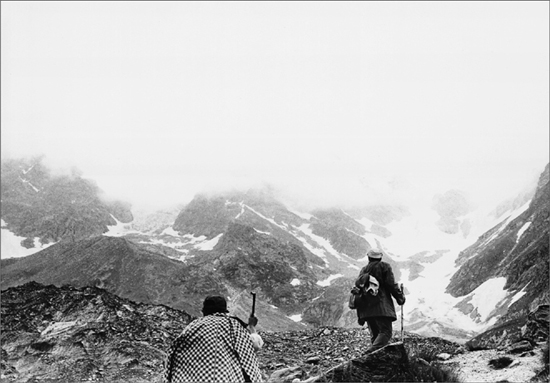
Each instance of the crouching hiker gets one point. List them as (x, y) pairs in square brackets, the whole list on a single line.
[(376, 306), (215, 348)]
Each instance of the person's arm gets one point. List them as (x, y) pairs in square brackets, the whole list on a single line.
[(256, 339), (395, 291)]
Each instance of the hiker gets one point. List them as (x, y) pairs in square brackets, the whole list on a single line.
[(380, 315), (215, 348)]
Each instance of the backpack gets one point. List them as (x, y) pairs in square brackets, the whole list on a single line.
[(365, 293)]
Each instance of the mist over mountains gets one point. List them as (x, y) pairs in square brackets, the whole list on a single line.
[(465, 268)]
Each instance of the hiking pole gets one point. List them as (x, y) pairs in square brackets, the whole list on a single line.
[(402, 292), (253, 303)]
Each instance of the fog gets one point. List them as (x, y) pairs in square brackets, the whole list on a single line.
[(330, 103)]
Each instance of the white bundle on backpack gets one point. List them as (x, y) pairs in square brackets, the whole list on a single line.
[(373, 286)]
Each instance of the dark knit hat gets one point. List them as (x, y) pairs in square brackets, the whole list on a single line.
[(214, 304), (375, 254)]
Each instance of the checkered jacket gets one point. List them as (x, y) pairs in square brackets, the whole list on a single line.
[(214, 348)]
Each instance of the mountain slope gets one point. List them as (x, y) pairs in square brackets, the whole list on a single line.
[(44, 208), (135, 272), (517, 252), (116, 264), (68, 334), (302, 264)]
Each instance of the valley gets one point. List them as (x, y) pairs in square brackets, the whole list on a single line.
[(468, 273)]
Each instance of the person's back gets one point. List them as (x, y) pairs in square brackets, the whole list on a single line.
[(379, 317), (214, 348)]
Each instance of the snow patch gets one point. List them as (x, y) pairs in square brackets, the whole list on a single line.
[(118, 229), (28, 183), (29, 169), (517, 296), (322, 242), (242, 210), (11, 244), (522, 230), (327, 281), (507, 221), (487, 296), (262, 232), (305, 216), (295, 282), (296, 318), (209, 245), (170, 231), (270, 220)]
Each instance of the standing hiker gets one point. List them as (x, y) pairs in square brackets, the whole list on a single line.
[(215, 348), (380, 315)]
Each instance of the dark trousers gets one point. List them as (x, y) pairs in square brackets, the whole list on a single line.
[(381, 328)]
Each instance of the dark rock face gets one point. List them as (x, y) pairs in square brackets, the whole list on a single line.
[(531, 328), (211, 215), (206, 216), (538, 324), (342, 231), (72, 334), (36, 203), (331, 308), (251, 260), (520, 347)]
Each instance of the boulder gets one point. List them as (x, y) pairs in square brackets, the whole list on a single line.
[(519, 347), (501, 362), (533, 327), (377, 366), (285, 375)]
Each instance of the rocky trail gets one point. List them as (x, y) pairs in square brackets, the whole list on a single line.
[(302, 355)]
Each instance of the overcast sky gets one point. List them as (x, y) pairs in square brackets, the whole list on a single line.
[(329, 101)]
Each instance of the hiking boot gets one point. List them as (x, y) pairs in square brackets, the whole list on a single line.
[(381, 341)]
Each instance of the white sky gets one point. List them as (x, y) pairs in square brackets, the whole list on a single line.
[(330, 101)]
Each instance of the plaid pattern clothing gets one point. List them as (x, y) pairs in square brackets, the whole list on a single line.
[(215, 348)]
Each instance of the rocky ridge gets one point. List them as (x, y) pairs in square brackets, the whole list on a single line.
[(69, 334), (36, 203)]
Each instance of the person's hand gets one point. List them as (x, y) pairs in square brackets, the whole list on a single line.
[(401, 301), (252, 321)]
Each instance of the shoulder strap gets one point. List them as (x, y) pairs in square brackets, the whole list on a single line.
[(233, 336), (245, 325)]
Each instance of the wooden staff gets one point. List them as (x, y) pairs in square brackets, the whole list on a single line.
[(402, 292), (253, 303)]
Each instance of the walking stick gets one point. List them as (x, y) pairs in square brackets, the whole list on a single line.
[(253, 303), (402, 292)]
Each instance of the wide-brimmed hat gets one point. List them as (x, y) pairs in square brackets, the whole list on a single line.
[(214, 304), (375, 254)]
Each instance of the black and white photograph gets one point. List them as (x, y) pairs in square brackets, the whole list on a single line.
[(275, 191)]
